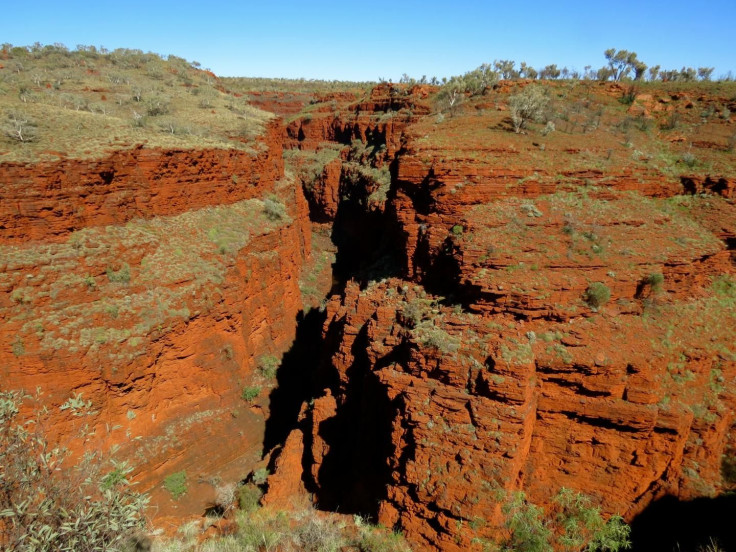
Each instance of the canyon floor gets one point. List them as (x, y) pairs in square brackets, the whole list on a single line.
[(363, 299)]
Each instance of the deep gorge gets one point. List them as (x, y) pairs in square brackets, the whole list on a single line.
[(430, 305)]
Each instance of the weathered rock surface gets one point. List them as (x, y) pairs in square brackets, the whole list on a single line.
[(432, 415), (48, 200), (147, 333), (561, 314)]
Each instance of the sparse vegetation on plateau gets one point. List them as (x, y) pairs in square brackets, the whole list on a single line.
[(87, 100)]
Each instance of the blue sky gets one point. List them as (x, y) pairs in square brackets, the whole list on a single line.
[(368, 40)]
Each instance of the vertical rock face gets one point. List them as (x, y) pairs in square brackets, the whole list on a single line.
[(146, 333), (480, 406), (46, 201)]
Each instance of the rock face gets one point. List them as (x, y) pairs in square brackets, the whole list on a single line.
[(47, 201), (481, 405), (147, 333), (550, 325), (508, 313)]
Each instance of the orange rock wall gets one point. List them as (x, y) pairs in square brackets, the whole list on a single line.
[(176, 405), (471, 426), (48, 200), (522, 385)]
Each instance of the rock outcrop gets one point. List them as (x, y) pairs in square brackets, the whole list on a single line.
[(549, 325), (48, 200), (142, 320), (509, 312)]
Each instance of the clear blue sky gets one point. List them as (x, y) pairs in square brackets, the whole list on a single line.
[(367, 40)]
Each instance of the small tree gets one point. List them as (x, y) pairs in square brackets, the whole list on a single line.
[(506, 69), (550, 72), (528, 105), (527, 71), (704, 73), (451, 95), (622, 62), (480, 79), (18, 126), (687, 74), (639, 70)]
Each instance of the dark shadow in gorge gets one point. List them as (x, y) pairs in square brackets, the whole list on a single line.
[(295, 378), (355, 472), (367, 241), (672, 525)]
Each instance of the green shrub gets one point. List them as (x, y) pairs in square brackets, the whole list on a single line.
[(274, 209), (250, 393), (689, 159), (372, 540), (318, 534), (176, 484), (434, 337), (260, 476), (724, 286), (249, 497), (581, 526), (268, 365), (525, 522), (19, 348), (655, 281), (571, 523), (121, 276), (597, 294), (19, 127)]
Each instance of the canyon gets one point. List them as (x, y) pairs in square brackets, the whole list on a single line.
[(459, 312)]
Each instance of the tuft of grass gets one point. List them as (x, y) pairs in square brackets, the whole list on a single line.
[(176, 484), (250, 393), (597, 295)]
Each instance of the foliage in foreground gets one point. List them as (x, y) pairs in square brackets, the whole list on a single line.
[(304, 530), (45, 505)]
